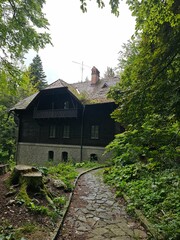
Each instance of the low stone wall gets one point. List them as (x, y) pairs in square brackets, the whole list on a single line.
[(38, 154)]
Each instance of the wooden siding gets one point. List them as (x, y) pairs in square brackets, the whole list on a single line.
[(55, 113), (47, 112), (38, 130)]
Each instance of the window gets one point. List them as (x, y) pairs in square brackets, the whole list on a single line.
[(66, 105), (50, 155), (52, 131), (94, 132), (66, 131), (93, 157), (64, 156)]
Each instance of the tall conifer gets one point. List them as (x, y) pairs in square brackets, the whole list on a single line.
[(37, 75)]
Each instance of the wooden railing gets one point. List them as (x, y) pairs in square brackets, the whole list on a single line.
[(55, 113)]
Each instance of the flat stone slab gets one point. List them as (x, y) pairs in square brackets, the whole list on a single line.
[(32, 174)]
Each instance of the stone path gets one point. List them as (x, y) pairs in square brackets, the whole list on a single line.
[(95, 214)]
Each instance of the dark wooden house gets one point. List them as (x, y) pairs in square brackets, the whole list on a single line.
[(66, 122)]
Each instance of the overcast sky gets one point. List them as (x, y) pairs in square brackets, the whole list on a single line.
[(94, 38)]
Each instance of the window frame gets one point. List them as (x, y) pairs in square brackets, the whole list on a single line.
[(52, 131), (66, 131), (94, 131), (66, 105)]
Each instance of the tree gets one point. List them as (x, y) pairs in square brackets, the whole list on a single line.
[(37, 75), (113, 3), (9, 96), (22, 25), (19, 21), (148, 95), (109, 73)]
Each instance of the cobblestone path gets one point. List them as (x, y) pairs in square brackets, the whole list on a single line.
[(95, 214)]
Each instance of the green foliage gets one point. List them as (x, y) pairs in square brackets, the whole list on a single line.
[(10, 93), (66, 172), (113, 3), (87, 164), (24, 198), (37, 75), (60, 201), (22, 24), (150, 142), (7, 232), (146, 155), (7, 136), (155, 192)]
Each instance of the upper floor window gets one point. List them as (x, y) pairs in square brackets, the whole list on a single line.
[(94, 132), (52, 131), (66, 105), (66, 131)]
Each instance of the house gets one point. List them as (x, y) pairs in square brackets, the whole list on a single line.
[(66, 122)]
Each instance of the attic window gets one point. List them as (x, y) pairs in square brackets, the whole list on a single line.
[(105, 85), (66, 105)]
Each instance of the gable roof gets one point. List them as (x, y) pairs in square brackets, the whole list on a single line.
[(84, 91), (96, 93)]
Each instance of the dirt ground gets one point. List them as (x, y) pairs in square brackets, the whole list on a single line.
[(16, 217)]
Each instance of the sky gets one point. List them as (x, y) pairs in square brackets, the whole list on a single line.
[(82, 39)]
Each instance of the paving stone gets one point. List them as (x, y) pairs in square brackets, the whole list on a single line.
[(117, 231), (89, 216), (100, 224), (92, 221), (109, 235), (97, 238), (139, 234), (122, 238), (82, 219), (85, 210), (99, 231)]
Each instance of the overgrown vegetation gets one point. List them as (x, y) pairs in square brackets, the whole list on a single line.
[(155, 192), (48, 200), (146, 155), (66, 172), (88, 165)]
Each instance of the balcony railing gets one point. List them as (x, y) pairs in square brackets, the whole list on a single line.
[(55, 113)]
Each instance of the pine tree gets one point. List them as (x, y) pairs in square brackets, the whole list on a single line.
[(37, 75)]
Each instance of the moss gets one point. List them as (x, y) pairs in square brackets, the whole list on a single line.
[(23, 196)]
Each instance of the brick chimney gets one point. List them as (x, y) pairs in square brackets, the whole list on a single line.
[(94, 75)]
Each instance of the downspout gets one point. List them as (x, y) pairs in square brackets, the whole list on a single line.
[(82, 130)]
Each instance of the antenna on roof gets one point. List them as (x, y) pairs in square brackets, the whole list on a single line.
[(82, 68)]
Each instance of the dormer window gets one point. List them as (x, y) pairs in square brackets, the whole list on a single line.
[(66, 105), (105, 85)]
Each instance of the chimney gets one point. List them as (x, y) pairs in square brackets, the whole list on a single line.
[(94, 75)]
